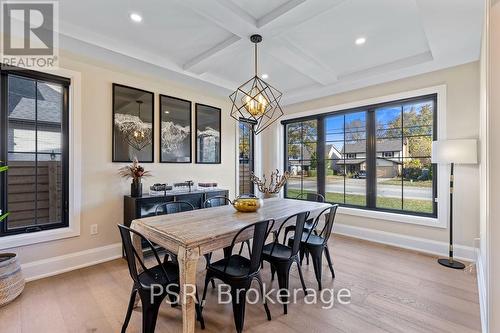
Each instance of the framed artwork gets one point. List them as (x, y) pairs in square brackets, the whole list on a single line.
[(208, 134), (175, 130), (133, 124)]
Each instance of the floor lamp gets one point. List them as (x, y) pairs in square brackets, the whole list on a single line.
[(453, 152)]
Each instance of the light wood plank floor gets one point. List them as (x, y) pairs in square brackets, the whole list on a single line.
[(393, 290)]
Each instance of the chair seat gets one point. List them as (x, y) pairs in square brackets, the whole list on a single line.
[(237, 266), (156, 276), (280, 251), (313, 240)]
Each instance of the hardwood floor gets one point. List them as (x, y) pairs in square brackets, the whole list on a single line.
[(393, 290)]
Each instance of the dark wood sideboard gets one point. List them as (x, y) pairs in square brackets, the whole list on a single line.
[(140, 207)]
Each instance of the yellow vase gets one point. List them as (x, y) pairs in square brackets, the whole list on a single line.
[(247, 205)]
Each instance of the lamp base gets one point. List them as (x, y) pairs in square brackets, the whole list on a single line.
[(451, 264)]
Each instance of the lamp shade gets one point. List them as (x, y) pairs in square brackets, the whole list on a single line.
[(454, 151)]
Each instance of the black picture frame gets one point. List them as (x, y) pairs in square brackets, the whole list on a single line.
[(208, 119), (180, 116), (127, 100)]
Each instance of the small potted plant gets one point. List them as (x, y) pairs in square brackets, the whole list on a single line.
[(135, 172)]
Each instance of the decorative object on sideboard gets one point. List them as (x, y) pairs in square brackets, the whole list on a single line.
[(276, 182), (208, 134), (247, 205), (175, 130), (256, 100), (133, 124), (207, 185), (134, 171), (11, 278), (453, 152)]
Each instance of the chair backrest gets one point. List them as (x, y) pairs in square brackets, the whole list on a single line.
[(311, 197), (131, 253), (329, 220), (300, 220), (216, 201), (173, 207), (260, 232)]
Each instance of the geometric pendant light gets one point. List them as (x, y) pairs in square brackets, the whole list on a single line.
[(256, 100)]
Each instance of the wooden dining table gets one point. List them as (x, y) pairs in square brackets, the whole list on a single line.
[(194, 233)]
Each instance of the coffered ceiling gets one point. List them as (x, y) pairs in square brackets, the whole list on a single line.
[(309, 47)]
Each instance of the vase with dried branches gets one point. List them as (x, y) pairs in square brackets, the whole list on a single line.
[(135, 172), (276, 182)]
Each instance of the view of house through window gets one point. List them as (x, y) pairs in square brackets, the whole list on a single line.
[(34, 190), (394, 173), (302, 158)]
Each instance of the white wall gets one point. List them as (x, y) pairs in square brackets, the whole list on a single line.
[(492, 232), (102, 189), (462, 121)]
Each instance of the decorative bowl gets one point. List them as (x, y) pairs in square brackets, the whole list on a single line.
[(247, 205)]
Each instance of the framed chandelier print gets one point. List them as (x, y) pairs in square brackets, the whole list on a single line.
[(208, 134), (175, 130), (133, 124)]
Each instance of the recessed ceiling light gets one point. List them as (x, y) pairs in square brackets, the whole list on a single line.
[(360, 41), (265, 76), (136, 17)]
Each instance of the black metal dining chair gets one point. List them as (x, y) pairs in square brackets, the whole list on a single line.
[(222, 201), (317, 243), (238, 272), (172, 207), (309, 196), (309, 223), (281, 256), (163, 279), (216, 201)]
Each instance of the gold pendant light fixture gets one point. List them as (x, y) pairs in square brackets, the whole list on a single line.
[(256, 100)]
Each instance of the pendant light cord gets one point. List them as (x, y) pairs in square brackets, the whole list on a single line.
[(255, 59)]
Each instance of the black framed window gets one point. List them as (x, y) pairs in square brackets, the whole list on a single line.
[(375, 157), (34, 143), (246, 158), (302, 157)]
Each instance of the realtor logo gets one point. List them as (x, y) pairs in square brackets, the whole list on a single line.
[(30, 37)]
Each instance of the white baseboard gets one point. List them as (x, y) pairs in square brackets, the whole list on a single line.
[(481, 286), (407, 242), (65, 263), (68, 262)]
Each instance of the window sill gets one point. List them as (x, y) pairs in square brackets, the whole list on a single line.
[(394, 217), (8, 242)]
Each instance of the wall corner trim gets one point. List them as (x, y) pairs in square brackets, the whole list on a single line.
[(57, 265), (482, 290)]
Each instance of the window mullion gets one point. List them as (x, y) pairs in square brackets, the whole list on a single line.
[(371, 160), (320, 156)]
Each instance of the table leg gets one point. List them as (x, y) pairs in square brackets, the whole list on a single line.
[(188, 259)]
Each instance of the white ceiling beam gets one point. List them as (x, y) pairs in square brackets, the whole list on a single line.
[(224, 15), (388, 67), (295, 57), (229, 16), (224, 45), (278, 12)]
